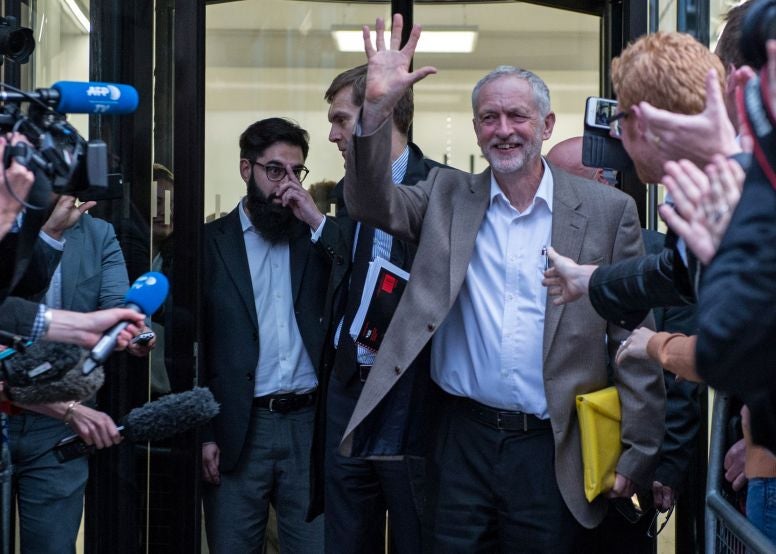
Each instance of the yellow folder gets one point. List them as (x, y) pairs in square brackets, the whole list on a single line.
[(599, 428)]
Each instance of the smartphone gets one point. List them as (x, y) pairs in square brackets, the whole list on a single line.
[(143, 338), (598, 112)]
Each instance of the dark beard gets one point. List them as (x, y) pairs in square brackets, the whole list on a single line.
[(273, 221)]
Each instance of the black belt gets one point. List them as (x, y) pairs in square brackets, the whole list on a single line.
[(502, 419), (363, 371), (284, 403)]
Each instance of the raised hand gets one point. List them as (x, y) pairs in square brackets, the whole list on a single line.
[(694, 137), (703, 202), (388, 74)]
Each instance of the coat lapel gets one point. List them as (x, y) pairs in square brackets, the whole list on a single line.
[(298, 249), (568, 231), (230, 244), (71, 264), (467, 217)]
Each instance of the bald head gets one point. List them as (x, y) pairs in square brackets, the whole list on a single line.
[(567, 155)]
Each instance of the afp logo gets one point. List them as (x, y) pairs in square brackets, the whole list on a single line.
[(104, 91)]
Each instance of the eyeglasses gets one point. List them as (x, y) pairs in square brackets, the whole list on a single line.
[(632, 512), (615, 123), (276, 172)]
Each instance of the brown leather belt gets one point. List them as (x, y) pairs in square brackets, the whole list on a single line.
[(284, 403)]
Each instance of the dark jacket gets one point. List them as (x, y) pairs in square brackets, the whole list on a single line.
[(231, 326), (682, 408), (736, 349), (625, 292)]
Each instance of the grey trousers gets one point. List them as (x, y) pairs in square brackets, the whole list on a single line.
[(274, 467), (50, 495)]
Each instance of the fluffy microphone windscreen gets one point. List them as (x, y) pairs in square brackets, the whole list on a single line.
[(170, 415), (41, 361), (73, 385)]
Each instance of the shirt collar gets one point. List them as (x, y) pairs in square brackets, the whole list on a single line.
[(399, 165), (543, 193), (245, 221)]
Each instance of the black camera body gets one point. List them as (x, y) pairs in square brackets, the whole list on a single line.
[(62, 161)]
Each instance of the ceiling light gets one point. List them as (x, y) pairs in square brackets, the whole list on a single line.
[(460, 40)]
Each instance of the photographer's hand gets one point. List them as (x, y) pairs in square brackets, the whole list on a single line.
[(15, 183), (64, 216)]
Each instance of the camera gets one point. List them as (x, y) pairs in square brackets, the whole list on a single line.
[(62, 161), (599, 149), (16, 43)]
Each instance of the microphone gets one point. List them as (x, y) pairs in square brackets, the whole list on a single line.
[(81, 97), (170, 415), (48, 372), (144, 296)]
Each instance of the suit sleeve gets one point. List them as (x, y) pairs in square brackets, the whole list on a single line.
[(17, 316), (371, 196), (43, 263), (639, 382), (114, 282)]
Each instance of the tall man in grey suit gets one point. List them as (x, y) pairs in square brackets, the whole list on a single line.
[(267, 270), (505, 472)]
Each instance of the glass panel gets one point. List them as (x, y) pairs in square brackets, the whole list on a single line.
[(61, 29), (272, 58), (561, 47)]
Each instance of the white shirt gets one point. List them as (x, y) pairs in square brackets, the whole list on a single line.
[(489, 348), (283, 365)]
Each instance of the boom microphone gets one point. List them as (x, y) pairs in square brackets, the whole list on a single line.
[(81, 97), (48, 372), (157, 420), (144, 296)]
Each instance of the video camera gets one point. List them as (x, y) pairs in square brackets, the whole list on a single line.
[(60, 158)]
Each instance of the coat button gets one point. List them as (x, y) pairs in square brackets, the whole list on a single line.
[(250, 376), (430, 326), (397, 369)]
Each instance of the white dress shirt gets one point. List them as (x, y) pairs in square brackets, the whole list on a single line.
[(284, 365), (489, 348)]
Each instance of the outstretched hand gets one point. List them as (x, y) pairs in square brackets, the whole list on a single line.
[(388, 72), (566, 280)]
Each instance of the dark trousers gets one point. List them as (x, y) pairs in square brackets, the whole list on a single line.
[(491, 490), (358, 492)]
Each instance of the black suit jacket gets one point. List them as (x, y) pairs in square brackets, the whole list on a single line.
[(231, 326), (736, 349)]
